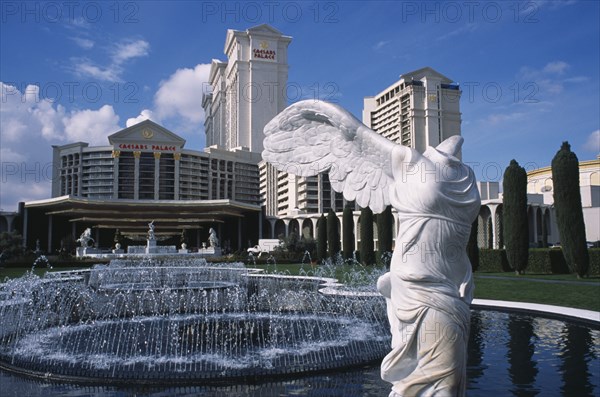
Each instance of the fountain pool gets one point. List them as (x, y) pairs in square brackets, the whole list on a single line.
[(149, 331), (509, 355), (160, 321)]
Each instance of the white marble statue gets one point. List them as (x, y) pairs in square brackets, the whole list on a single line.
[(429, 286), (151, 235), (213, 240), (85, 238)]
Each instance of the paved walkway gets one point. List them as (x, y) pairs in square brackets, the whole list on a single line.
[(539, 280)]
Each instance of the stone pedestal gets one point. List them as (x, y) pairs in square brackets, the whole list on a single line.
[(151, 246), (210, 251), (184, 251), (118, 251), (84, 251)]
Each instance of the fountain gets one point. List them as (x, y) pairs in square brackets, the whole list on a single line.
[(168, 319), (222, 329)]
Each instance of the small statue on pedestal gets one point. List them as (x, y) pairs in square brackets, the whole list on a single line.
[(151, 231), (85, 238), (213, 240)]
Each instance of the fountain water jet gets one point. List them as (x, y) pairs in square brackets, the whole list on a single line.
[(167, 320)]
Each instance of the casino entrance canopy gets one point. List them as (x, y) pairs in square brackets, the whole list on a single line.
[(52, 220)]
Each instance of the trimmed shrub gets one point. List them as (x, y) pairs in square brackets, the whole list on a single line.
[(472, 247), (492, 260), (348, 235), (516, 226), (385, 234), (333, 234), (546, 261), (367, 253), (322, 239), (569, 214), (594, 261)]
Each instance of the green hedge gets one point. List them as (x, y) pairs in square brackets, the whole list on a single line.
[(493, 261), (546, 261), (541, 260), (594, 261)]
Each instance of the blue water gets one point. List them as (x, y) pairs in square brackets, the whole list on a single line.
[(509, 355)]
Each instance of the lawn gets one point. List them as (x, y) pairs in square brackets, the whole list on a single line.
[(579, 296), (583, 294)]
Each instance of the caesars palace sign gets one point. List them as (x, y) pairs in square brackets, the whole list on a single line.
[(144, 146)]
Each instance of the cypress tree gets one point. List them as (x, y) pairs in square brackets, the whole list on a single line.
[(348, 237), (333, 234), (569, 214), (367, 254), (472, 248), (516, 225), (385, 222), (322, 239)]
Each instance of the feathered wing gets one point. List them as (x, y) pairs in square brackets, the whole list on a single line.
[(310, 137)]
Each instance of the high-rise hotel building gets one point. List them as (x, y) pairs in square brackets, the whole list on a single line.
[(421, 109), (248, 90)]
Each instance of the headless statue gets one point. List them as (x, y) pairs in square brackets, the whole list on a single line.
[(429, 287)]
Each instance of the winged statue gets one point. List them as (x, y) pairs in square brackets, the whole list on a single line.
[(429, 287)]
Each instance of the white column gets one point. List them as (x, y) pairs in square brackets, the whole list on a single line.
[(115, 155), (314, 221), (286, 222), (534, 224), (177, 157), (136, 175), (156, 174), (272, 222), (356, 230), (493, 209)]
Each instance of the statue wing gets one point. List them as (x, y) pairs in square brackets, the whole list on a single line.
[(310, 137)]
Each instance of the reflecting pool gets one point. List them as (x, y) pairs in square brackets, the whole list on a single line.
[(509, 355)]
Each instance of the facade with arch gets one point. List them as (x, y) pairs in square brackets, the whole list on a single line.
[(8, 221), (539, 182)]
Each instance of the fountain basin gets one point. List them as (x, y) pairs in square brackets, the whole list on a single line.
[(157, 322), (195, 348)]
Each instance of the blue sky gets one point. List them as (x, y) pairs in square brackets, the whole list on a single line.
[(71, 71)]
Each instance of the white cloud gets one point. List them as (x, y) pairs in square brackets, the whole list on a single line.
[(181, 94), (85, 68), (145, 114), (593, 142), (381, 44), (556, 67), (120, 53), (29, 125), (92, 126), (130, 49), (468, 28), (550, 79), (7, 155), (497, 118), (86, 44)]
